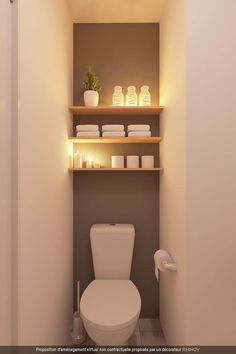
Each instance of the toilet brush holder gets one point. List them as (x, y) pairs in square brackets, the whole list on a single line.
[(78, 332)]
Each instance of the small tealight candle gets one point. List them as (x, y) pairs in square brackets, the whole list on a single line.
[(89, 162), (97, 164)]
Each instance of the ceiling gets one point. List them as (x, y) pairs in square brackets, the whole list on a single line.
[(116, 11)]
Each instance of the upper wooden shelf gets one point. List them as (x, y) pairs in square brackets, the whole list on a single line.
[(102, 169), (116, 111), (125, 140)]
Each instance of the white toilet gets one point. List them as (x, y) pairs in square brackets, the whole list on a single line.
[(111, 304)]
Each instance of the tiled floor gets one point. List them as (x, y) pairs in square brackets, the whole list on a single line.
[(147, 332)]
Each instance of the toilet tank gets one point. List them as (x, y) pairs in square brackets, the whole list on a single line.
[(112, 250)]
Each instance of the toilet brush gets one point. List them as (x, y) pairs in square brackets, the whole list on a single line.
[(78, 333)]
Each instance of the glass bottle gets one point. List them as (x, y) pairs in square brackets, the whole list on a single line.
[(145, 97), (131, 97), (118, 97)]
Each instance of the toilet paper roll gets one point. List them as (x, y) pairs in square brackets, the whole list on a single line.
[(117, 161), (163, 262), (160, 258), (132, 161), (147, 161)]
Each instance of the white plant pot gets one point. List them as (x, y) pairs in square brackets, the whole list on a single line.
[(91, 98)]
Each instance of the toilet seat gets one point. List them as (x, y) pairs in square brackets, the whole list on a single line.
[(110, 304)]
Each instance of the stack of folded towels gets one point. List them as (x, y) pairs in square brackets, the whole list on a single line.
[(113, 130), (87, 130), (139, 130)]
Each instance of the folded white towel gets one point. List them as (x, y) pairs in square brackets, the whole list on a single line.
[(140, 134), (138, 127), (88, 134), (86, 127), (113, 134), (113, 127)]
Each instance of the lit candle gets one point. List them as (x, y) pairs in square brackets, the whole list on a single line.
[(89, 162), (97, 164)]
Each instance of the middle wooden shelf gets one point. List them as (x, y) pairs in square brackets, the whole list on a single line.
[(125, 140)]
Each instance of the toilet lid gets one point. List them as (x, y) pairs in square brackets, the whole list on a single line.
[(110, 304)]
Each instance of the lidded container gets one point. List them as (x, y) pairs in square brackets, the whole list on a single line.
[(112, 250), (118, 97), (131, 97), (145, 96)]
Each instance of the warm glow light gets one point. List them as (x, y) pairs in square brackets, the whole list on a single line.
[(70, 149), (145, 96), (118, 97), (131, 97), (89, 162)]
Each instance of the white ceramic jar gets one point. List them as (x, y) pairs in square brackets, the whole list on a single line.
[(131, 97), (145, 96), (78, 160), (118, 97)]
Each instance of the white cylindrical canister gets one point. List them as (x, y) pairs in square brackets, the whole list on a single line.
[(78, 160), (132, 161), (117, 161), (148, 161)]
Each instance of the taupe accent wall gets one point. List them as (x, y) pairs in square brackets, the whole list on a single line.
[(124, 54)]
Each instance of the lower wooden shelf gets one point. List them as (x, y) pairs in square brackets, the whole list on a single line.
[(116, 169)]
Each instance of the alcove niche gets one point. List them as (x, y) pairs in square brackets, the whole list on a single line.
[(120, 54)]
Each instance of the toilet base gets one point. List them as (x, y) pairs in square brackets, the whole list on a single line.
[(109, 337)]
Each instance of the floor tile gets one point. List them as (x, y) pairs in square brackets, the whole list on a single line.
[(152, 338), (135, 339), (149, 324), (89, 341)]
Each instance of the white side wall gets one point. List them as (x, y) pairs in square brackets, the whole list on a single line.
[(173, 159), (211, 172), (198, 193), (45, 186), (5, 173)]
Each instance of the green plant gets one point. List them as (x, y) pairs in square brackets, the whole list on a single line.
[(91, 82)]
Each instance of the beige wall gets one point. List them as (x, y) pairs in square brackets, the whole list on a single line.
[(173, 159), (45, 187), (5, 173), (121, 11), (198, 224), (211, 172)]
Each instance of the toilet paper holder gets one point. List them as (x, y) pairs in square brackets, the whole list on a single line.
[(163, 262), (170, 266)]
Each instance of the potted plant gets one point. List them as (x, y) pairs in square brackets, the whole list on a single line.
[(91, 86)]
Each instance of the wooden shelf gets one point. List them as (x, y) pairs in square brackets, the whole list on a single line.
[(125, 140), (115, 169), (116, 111)]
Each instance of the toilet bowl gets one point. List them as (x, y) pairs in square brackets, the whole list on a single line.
[(110, 310), (111, 304)]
